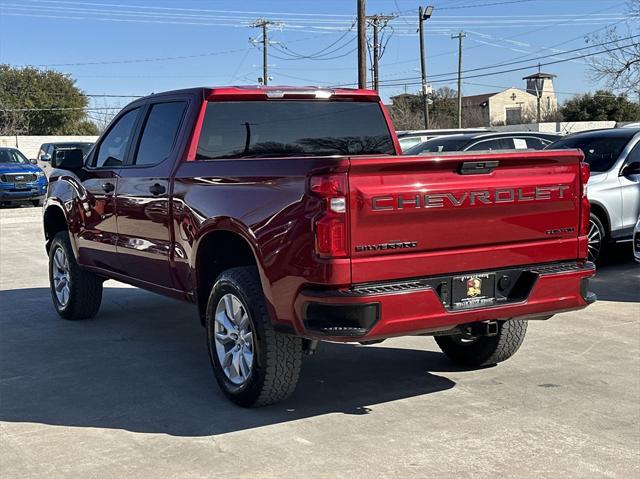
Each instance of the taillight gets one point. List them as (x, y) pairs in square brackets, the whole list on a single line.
[(585, 207), (331, 225), (585, 173)]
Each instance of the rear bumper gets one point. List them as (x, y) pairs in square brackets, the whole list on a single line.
[(375, 311)]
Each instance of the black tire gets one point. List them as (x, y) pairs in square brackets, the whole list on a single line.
[(483, 351), (596, 229), (277, 358), (85, 289), (36, 203)]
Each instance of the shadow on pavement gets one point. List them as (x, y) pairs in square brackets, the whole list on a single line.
[(142, 366), (618, 277)]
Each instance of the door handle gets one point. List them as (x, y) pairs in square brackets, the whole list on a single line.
[(157, 189), (108, 187)]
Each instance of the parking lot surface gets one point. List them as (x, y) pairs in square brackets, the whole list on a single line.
[(131, 393)]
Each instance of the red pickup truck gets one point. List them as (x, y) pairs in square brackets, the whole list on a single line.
[(289, 217)]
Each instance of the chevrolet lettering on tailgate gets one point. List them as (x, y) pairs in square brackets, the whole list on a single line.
[(468, 198)]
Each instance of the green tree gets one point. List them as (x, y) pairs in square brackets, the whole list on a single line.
[(601, 106), (41, 102)]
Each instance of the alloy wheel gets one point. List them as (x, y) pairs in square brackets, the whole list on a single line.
[(61, 277), (234, 341), (594, 239)]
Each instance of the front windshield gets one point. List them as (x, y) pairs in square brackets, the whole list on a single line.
[(600, 152), (12, 156), (85, 147)]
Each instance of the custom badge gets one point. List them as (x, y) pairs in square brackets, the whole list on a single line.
[(474, 287)]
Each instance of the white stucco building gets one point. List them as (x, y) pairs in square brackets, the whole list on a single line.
[(513, 105)]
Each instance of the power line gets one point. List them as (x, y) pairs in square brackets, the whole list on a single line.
[(322, 52), (186, 9), (65, 108), (139, 60), (411, 80), (535, 30), (557, 92), (531, 59)]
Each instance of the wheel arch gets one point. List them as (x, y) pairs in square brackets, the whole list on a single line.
[(218, 248), (601, 212), (54, 220)]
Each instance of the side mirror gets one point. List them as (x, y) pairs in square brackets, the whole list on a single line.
[(71, 159), (632, 168), (33, 161)]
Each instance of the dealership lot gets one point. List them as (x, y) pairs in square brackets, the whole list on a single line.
[(131, 394)]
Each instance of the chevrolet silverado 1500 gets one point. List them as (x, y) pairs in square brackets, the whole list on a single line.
[(288, 216)]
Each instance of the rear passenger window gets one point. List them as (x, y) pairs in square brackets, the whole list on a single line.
[(160, 132), (536, 143), (113, 148), (496, 144)]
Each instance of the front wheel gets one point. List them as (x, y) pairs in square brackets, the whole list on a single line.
[(253, 364), (76, 293), (479, 351)]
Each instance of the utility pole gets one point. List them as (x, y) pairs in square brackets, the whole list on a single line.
[(264, 24), (377, 22), (376, 54), (422, 16), (459, 36), (362, 44), (539, 85)]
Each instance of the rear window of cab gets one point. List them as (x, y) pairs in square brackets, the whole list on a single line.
[(293, 128)]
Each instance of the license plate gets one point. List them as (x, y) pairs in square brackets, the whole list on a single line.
[(21, 186), (473, 291)]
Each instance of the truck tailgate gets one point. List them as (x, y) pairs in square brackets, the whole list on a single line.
[(418, 216)]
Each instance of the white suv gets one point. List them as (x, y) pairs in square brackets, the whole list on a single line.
[(614, 187)]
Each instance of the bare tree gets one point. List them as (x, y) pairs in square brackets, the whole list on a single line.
[(619, 67), (13, 123), (547, 113), (101, 114), (405, 113)]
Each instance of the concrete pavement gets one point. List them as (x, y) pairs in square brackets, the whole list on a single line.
[(131, 393)]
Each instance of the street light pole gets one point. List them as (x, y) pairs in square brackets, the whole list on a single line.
[(422, 16)]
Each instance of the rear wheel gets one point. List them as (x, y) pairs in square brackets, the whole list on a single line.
[(76, 293), (253, 364), (596, 238), (479, 351)]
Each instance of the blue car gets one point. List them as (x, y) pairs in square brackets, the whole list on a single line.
[(20, 180)]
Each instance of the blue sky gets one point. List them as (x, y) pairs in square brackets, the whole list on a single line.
[(101, 42)]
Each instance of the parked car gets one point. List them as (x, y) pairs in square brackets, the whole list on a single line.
[(614, 185), (48, 151), (288, 216), (636, 241), (20, 179), (409, 138), (484, 142)]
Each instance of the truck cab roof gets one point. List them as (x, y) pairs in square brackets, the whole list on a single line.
[(274, 92)]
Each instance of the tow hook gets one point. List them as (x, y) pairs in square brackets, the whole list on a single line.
[(482, 328)]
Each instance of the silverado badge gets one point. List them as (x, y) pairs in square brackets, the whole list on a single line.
[(474, 287)]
